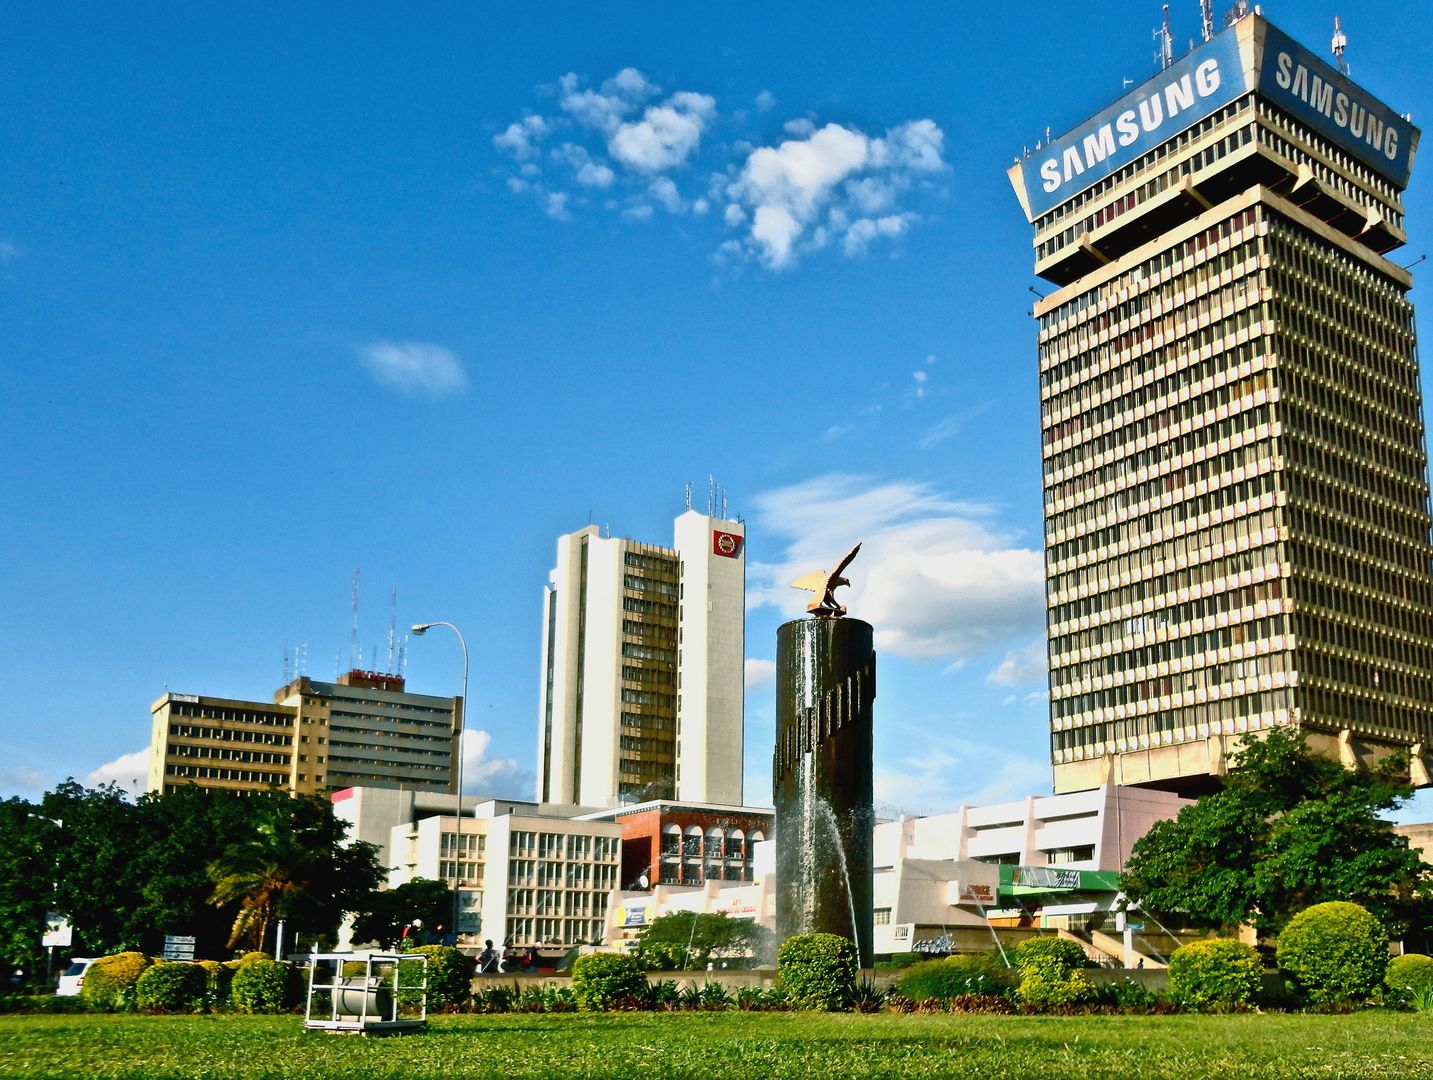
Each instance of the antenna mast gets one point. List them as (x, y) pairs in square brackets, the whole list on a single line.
[(1340, 42), (353, 635), (1206, 18), (1165, 56), (392, 629)]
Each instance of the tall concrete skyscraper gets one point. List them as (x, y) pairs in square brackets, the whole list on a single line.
[(643, 654), (1235, 479)]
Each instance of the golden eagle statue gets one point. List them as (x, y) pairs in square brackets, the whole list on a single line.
[(824, 585)]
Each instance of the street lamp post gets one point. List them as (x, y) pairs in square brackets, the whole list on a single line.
[(419, 630)]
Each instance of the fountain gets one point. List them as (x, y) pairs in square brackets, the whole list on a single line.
[(825, 689)]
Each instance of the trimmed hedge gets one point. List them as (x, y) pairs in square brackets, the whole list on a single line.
[(1050, 973), (955, 976), (1409, 977), (817, 971), (1216, 974), (109, 982), (262, 985), (607, 981), (217, 978), (172, 987), (1334, 953), (450, 976)]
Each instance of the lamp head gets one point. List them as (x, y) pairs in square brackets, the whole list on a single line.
[(419, 629)]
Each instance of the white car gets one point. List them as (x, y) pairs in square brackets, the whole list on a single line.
[(74, 976)]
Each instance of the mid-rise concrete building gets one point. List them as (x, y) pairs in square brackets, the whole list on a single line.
[(365, 729), (526, 875), (643, 651), (1235, 474)]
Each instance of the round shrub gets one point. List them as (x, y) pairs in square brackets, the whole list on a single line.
[(1216, 974), (450, 976), (607, 980), (109, 982), (817, 971), (1334, 953), (217, 978), (172, 987), (1409, 979), (1050, 973), (954, 976), (263, 986)]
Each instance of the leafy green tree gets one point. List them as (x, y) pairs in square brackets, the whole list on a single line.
[(26, 883), (94, 855), (294, 866), (689, 939), (1290, 828), (386, 911)]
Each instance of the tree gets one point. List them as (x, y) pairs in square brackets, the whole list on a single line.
[(688, 939), (386, 912), (26, 883), (94, 857), (1290, 828), (294, 866)]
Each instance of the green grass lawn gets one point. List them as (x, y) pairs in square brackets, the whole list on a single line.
[(746, 1045)]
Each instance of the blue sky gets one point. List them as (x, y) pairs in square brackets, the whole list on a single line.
[(414, 289)]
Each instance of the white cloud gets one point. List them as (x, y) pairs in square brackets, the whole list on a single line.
[(556, 206), (801, 126), (832, 184), (938, 578), (639, 212), (665, 136), (129, 771), (665, 192), (416, 367), (18, 780), (483, 775), (593, 174), (1021, 666), (521, 138), (948, 772), (760, 673)]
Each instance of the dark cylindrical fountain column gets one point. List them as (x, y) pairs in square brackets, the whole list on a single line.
[(825, 688)]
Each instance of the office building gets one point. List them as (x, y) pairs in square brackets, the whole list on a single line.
[(526, 874), (364, 729), (1235, 479), (643, 652)]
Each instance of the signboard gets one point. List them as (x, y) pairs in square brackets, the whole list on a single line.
[(941, 944), (58, 932), (178, 947), (470, 915), (1204, 81), (1044, 877), (1302, 84), (1201, 83), (725, 543), (632, 916)]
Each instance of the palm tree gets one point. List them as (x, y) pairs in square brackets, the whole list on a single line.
[(267, 876)]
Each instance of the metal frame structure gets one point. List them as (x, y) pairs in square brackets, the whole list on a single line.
[(367, 1003)]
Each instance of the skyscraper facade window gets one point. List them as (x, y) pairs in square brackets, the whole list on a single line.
[(1235, 475)]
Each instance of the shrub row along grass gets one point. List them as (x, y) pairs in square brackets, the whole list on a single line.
[(1372, 1045)]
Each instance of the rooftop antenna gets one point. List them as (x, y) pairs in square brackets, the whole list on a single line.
[(288, 671), (689, 494), (301, 660), (1340, 42), (1206, 18), (392, 629), (403, 657), (1235, 13), (711, 494), (1165, 56), (353, 653)]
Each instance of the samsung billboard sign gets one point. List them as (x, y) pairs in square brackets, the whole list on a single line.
[(1210, 77), (1180, 96), (1300, 83)]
